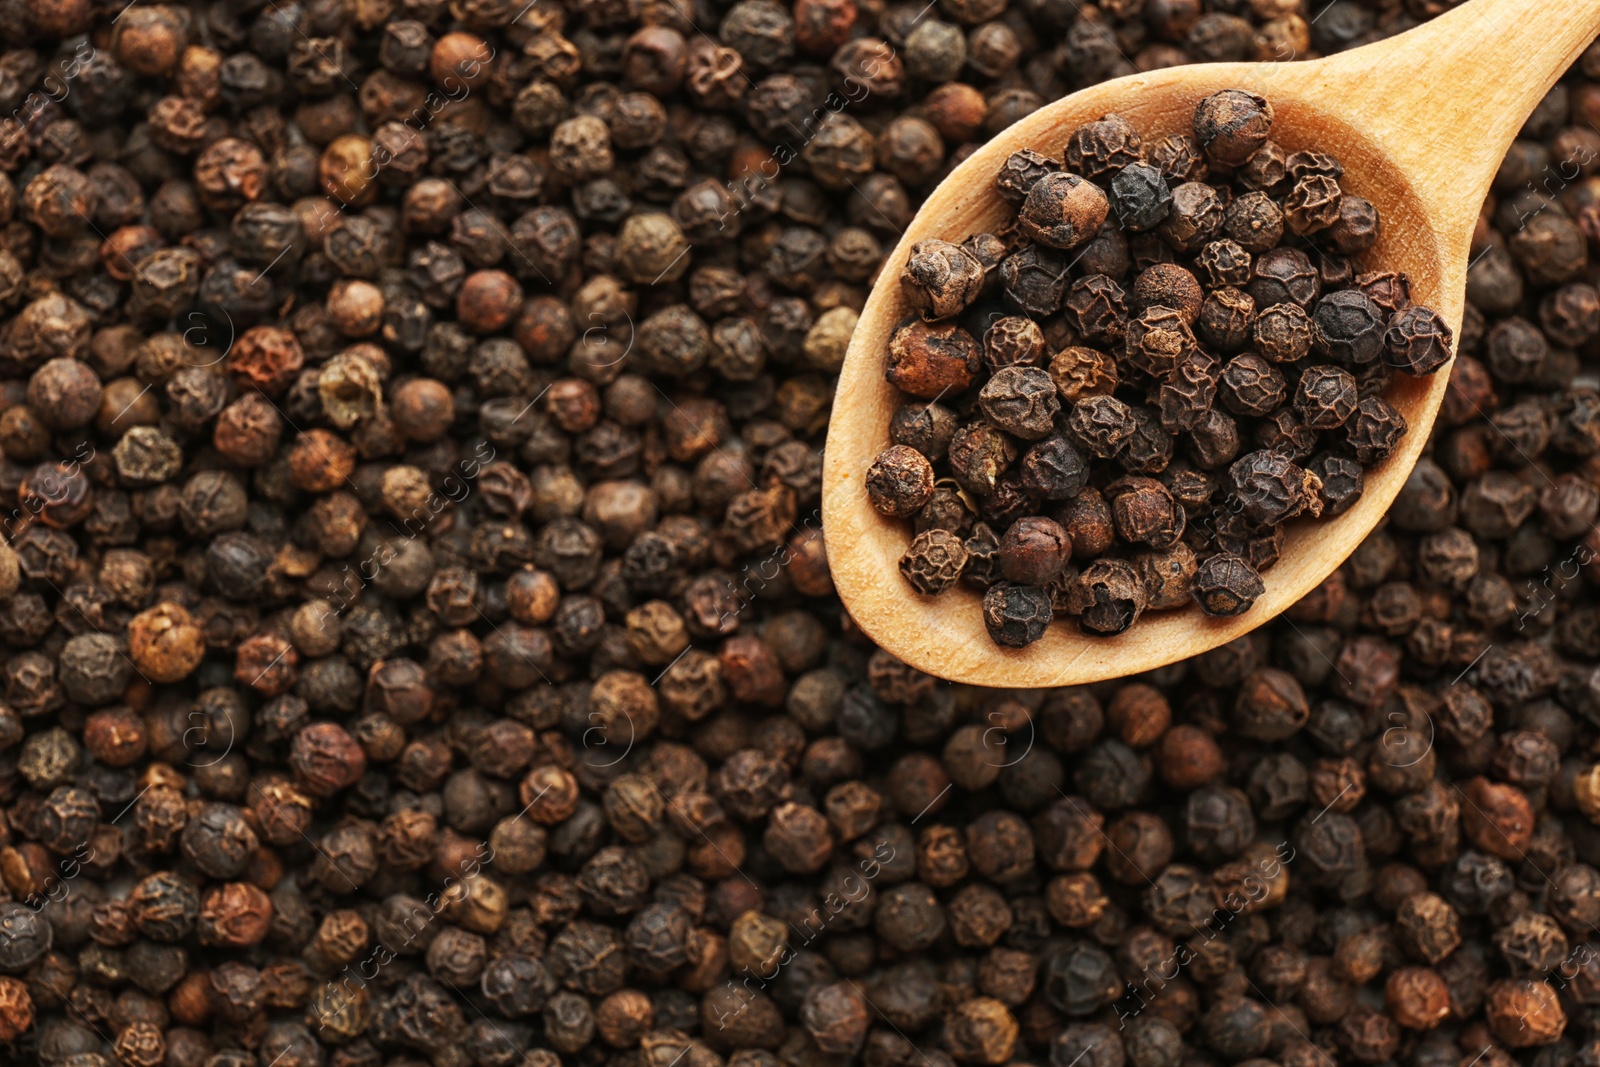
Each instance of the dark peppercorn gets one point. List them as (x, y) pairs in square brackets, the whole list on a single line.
[(1194, 219), (1349, 327), (1020, 172), (1325, 397), (1016, 615), (1035, 280), (1417, 342), (1374, 431), (934, 561), (1226, 585), (1021, 401), (1100, 425), (1140, 197), (1107, 597), (1097, 306)]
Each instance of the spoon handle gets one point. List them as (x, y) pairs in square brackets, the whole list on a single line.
[(1446, 99)]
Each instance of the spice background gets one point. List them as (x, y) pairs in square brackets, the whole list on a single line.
[(396, 400)]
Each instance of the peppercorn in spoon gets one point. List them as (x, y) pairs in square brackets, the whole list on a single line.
[(1419, 122)]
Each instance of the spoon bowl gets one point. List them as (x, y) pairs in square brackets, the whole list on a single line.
[(1420, 123)]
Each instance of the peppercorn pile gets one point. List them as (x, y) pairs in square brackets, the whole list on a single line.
[(1263, 361), (418, 648)]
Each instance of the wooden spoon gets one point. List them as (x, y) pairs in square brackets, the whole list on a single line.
[(1420, 123)]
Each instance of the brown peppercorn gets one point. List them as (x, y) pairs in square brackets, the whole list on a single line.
[(1139, 714), (321, 461), (899, 481), (1523, 1013), (235, 915), (1187, 757), (65, 393), (532, 596), (1167, 285), (1063, 210), (934, 561), (314, 630), (266, 663), (164, 643), (422, 410), (1313, 204), (355, 307), (116, 737), (981, 1030), (929, 361), (941, 279), (1013, 340), (1144, 512), (247, 431), (1158, 340), (1143, 846), (1417, 997), (488, 301), (459, 61), (60, 200), (623, 1017), (942, 857), (1087, 520), (1231, 125), (346, 171), (1000, 847), (799, 838), (151, 39), (1033, 550), (1078, 371), (16, 1009), (141, 1044), (326, 759), (1497, 818), (835, 1015), (267, 358), (550, 794), (1426, 927)]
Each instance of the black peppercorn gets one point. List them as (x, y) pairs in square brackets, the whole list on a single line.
[(1226, 585), (941, 279), (1140, 197), (900, 481), (1021, 401), (1232, 125), (1015, 615), (934, 561)]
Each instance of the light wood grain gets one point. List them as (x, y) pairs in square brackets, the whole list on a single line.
[(1420, 122)]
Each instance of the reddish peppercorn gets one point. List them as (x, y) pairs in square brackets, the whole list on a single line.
[(488, 301), (326, 759), (459, 60)]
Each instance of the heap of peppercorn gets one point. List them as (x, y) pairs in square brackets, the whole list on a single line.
[(1169, 353)]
